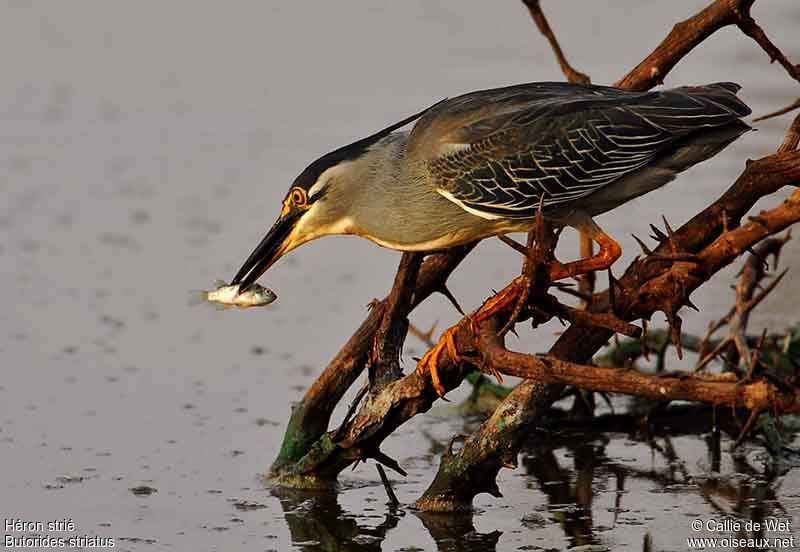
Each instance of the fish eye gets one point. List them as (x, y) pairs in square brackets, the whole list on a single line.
[(298, 197)]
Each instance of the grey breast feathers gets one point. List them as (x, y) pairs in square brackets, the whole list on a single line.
[(500, 153)]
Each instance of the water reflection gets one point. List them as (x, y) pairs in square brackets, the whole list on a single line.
[(571, 473), (747, 493), (318, 522), (457, 533), (569, 492)]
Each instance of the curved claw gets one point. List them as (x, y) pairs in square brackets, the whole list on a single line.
[(609, 252), (430, 360)]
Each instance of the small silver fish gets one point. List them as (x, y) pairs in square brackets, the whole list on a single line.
[(226, 296)]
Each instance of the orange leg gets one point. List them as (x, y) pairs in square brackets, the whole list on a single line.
[(430, 361), (609, 252)]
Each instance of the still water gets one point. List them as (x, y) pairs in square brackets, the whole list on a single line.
[(144, 150)]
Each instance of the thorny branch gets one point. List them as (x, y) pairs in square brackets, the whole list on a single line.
[(683, 260), (310, 418), (686, 35), (645, 287), (784, 110), (735, 346), (586, 282), (537, 14)]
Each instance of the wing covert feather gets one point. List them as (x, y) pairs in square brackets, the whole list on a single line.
[(499, 153)]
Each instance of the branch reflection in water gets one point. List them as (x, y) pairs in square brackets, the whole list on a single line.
[(577, 470)]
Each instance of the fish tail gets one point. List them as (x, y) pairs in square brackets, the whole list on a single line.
[(197, 297)]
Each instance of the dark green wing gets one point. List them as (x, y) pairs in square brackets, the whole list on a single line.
[(499, 153)]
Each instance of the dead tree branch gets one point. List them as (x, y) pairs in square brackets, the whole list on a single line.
[(586, 282), (753, 272), (788, 109), (686, 35), (537, 14), (685, 259), (645, 287), (716, 389), (311, 417), (384, 362)]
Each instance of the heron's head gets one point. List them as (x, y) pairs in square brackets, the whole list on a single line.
[(316, 205)]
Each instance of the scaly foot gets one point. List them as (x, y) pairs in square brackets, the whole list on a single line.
[(609, 252), (430, 361)]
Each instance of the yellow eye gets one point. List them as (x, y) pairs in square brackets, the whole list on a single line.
[(298, 197)]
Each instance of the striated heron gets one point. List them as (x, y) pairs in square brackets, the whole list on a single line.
[(483, 163)]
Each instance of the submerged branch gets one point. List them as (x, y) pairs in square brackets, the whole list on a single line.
[(686, 258), (311, 417), (644, 289)]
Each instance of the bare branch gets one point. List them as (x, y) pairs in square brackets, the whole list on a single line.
[(711, 389), (310, 418), (749, 27), (791, 107), (544, 27), (792, 139)]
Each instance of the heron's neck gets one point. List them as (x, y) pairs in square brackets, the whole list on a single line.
[(392, 201), (385, 162)]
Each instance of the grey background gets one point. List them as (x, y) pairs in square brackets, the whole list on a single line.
[(144, 150)]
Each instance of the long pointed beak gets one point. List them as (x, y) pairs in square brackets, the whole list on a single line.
[(271, 248)]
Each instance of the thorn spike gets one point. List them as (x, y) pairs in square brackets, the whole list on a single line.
[(670, 233), (646, 250), (658, 235), (444, 290)]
